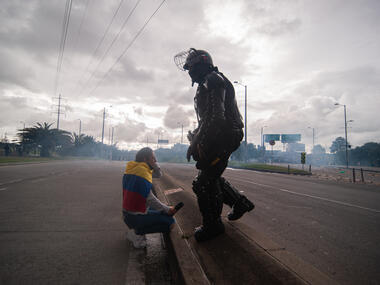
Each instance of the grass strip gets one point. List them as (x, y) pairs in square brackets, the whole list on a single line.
[(268, 168)]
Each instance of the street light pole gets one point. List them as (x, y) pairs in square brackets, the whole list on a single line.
[(182, 131), (80, 126), (245, 111), (262, 136), (104, 117)]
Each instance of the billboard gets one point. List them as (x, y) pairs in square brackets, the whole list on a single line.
[(290, 138), (271, 137)]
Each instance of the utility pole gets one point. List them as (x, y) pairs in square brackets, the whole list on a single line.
[(111, 144), (345, 130), (59, 112)]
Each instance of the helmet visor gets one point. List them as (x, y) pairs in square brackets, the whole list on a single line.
[(180, 60)]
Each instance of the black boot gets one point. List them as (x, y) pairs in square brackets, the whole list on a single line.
[(210, 202), (207, 232), (242, 206)]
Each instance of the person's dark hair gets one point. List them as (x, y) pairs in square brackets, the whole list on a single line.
[(143, 154)]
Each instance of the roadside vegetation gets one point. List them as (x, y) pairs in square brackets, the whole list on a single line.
[(41, 142)]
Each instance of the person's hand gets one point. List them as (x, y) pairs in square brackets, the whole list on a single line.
[(189, 153), (190, 136), (172, 211)]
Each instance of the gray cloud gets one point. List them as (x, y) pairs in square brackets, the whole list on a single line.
[(176, 116), (357, 88), (281, 27), (297, 58), (130, 131)]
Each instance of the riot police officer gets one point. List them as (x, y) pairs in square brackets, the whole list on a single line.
[(219, 133)]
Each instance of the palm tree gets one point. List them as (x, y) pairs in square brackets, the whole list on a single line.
[(84, 145), (41, 136)]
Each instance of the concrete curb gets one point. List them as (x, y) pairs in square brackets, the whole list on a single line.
[(191, 270), (266, 261)]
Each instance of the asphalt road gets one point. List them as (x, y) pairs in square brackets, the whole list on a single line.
[(60, 223), (333, 226)]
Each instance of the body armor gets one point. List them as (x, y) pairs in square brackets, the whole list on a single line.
[(219, 133)]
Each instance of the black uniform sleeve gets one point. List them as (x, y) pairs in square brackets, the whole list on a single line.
[(214, 119)]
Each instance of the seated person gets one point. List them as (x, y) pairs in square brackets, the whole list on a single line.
[(143, 213)]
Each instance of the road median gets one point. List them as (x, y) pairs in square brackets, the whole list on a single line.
[(240, 255)]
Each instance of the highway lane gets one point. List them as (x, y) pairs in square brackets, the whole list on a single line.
[(60, 223), (335, 227)]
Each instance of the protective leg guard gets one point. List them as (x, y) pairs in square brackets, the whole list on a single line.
[(230, 194), (239, 203), (210, 202)]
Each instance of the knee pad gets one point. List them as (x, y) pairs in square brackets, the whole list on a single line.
[(210, 198)]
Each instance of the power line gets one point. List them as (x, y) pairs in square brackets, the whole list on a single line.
[(99, 44), (110, 46), (128, 46), (84, 14), (65, 26)]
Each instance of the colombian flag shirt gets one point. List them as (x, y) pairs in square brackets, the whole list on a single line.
[(137, 184)]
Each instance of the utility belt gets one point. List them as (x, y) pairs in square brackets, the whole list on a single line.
[(220, 147)]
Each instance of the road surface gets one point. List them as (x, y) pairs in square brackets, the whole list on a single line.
[(60, 223), (335, 227)]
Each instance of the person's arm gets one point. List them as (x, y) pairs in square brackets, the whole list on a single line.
[(157, 173), (156, 204)]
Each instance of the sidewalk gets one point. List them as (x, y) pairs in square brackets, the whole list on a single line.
[(241, 255)]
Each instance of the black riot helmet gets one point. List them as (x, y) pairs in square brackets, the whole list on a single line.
[(197, 62)]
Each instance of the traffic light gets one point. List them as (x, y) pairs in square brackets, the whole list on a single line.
[(303, 157)]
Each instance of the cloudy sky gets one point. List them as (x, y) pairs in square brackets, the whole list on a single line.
[(297, 58)]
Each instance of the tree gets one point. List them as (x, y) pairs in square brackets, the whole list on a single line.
[(318, 149), (338, 145), (368, 154), (84, 145), (46, 139)]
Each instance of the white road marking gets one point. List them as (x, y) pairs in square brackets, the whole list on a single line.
[(38, 180), (10, 182), (171, 191), (314, 197)]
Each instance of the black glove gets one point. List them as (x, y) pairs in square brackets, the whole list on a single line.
[(189, 153)]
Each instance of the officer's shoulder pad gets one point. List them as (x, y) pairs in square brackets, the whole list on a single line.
[(213, 80)]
